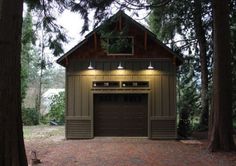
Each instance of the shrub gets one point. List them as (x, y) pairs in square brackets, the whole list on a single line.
[(44, 119), (30, 116), (57, 109), (184, 126), (188, 99)]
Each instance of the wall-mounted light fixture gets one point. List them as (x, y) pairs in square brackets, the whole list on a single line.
[(150, 67), (90, 67), (120, 67)]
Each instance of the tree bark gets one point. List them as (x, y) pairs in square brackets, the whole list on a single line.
[(221, 136), (200, 35), (12, 150)]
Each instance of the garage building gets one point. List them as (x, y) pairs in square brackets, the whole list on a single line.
[(126, 92)]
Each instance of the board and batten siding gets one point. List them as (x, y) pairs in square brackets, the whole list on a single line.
[(161, 90)]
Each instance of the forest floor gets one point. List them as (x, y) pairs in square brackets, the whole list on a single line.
[(53, 150)]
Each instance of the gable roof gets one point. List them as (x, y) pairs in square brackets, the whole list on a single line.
[(121, 13)]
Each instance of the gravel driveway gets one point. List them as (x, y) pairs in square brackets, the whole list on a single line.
[(118, 151)]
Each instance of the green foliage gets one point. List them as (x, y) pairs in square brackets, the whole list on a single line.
[(115, 41), (56, 47), (177, 25), (174, 18), (103, 8), (188, 100), (82, 7), (57, 109), (184, 126), (174, 24), (44, 119), (164, 22), (28, 39), (46, 12), (23, 76), (30, 116), (121, 45)]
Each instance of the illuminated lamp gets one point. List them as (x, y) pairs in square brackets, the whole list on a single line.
[(120, 67), (150, 67), (90, 67)]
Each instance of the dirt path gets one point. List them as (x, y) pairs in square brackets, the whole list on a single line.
[(54, 150)]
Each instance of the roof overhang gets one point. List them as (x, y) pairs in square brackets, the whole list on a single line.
[(178, 58)]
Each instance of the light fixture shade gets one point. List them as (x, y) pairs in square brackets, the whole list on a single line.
[(90, 67), (120, 67), (150, 67)]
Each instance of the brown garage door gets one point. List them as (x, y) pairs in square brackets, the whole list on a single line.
[(120, 114)]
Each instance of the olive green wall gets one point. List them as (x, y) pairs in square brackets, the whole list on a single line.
[(161, 90)]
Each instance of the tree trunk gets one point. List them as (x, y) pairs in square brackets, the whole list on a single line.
[(42, 67), (200, 34), (221, 136), (39, 95), (12, 150)]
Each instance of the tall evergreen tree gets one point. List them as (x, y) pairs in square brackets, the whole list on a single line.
[(188, 98), (185, 18), (12, 151), (27, 41), (221, 136), (202, 44), (50, 36)]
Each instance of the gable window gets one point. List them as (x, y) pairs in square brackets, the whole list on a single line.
[(123, 45)]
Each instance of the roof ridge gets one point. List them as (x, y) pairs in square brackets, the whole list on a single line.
[(122, 13)]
